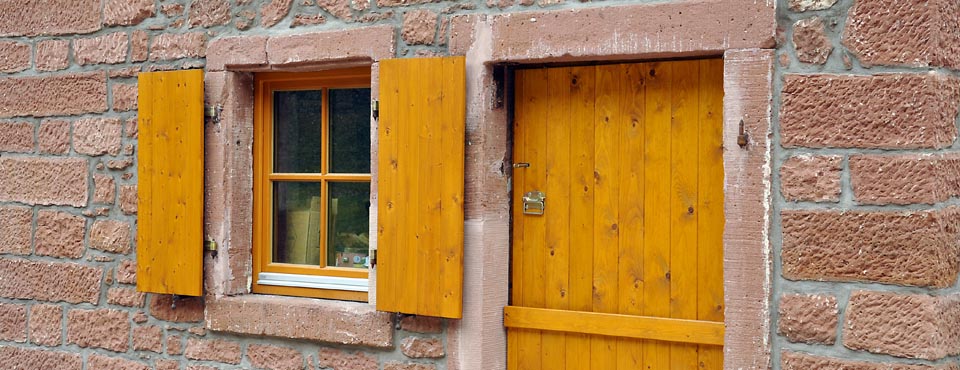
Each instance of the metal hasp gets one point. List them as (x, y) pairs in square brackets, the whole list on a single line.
[(533, 203)]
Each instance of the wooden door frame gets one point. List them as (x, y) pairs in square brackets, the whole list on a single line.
[(479, 340)]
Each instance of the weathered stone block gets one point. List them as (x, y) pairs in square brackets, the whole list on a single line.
[(904, 179), (45, 324), (213, 350), (49, 281), (811, 178), (808, 318), (101, 328), (903, 325), (59, 234), (274, 358), (66, 94), (15, 230)]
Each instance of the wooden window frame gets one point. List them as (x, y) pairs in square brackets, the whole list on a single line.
[(264, 85)]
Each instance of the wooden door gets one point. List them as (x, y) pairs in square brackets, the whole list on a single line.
[(623, 270)]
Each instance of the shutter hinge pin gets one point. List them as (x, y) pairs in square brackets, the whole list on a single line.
[(743, 138), (375, 109)]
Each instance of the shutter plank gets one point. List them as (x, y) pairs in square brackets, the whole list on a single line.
[(420, 185), (170, 183)]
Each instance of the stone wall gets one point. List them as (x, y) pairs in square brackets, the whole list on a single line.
[(865, 233), (866, 218)]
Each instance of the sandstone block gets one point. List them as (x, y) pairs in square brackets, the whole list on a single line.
[(904, 248), (213, 350), (208, 13), (904, 179), (102, 328), (274, 11), (104, 189), (167, 365), (15, 230), (14, 56), (174, 345), (810, 41), (16, 137), (29, 18), (408, 366), (805, 5), (54, 136), (171, 46), (904, 33), (125, 297), (802, 361), (51, 55), (59, 234), (808, 318), (416, 347), (138, 46), (110, 236), (899, 110), (97, 136), (247, 51), (127, 272), (339, 8), (49, 281), (107, 49), (421, 324), (274, 358), (45, 324), (903, 325), (98, 362), (47, 181), (124, 97), (342, 360), (419, 27), (148, 338), (375, 43), (65, 94), (811, 178), (128, 199), (187, 309), (29, 359), (127, 12), (13, 322)]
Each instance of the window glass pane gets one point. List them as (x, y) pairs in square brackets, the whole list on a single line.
[(296, 222), (349, 222), (296, 129), (350, 130)]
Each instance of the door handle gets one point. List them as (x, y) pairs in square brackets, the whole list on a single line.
[(533, 203)]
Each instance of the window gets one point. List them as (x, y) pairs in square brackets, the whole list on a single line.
[(312, 183)]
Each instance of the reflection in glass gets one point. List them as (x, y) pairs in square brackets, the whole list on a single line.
[(348, 218), (296, 223), (350, 130), (296, 128)]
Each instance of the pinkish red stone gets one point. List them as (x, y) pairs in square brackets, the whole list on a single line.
[(810, 41), (171, 46), (15, 230), (339, 8), (237, 52), (49, 281), (104, 189), (110, 49), (54, 136), (127, 12), (904, 248), (102, 328), (124, 97), (128, 199), (419, 27), (805, 5), (274, 358), (811, 178), (110, 236), (208, 13), (167, 365), (51, 55), (336, 359), (138, 46), (366, 43), (421, 324), (808, 318), (416, 347), (803, 361), (307, 20), (186, 309), (903, 325), (904, 33), (65, 94), (98, 362), (28, 18), (97, 136), (128, 297), (14, 56), (904, 179), (16, 137), (273, 12), (213, 350), (45, 324), (44, 181), (883, 111), (127, 272), (148, 338), (29, 359), (408, 366), (174, 345), (59, 234), (13, 322)]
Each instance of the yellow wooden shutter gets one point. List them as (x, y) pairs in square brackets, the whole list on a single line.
[(420, 186), (170, 183)]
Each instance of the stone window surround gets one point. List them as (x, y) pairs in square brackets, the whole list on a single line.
[(479, 337)]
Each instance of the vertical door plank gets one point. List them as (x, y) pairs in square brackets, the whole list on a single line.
[(534, 228), (683, 203), (582, 87), (514, 336), (409, 153), (428, 253), (631, 121), (710, 223), (606, 208), (452, 127), (558, 209), (387, 179), (656, 236)]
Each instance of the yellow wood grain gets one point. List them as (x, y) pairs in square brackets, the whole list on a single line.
[(614, 325), (425, 114), (170, 183), (558, 216), (631, 120), (710, 223), (453, 118), (656, 236), (606, 208), (583, 96)]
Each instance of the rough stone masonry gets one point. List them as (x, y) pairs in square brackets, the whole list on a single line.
[(866, 177)]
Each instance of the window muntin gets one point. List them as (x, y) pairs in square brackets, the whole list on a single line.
[(312, 171)]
